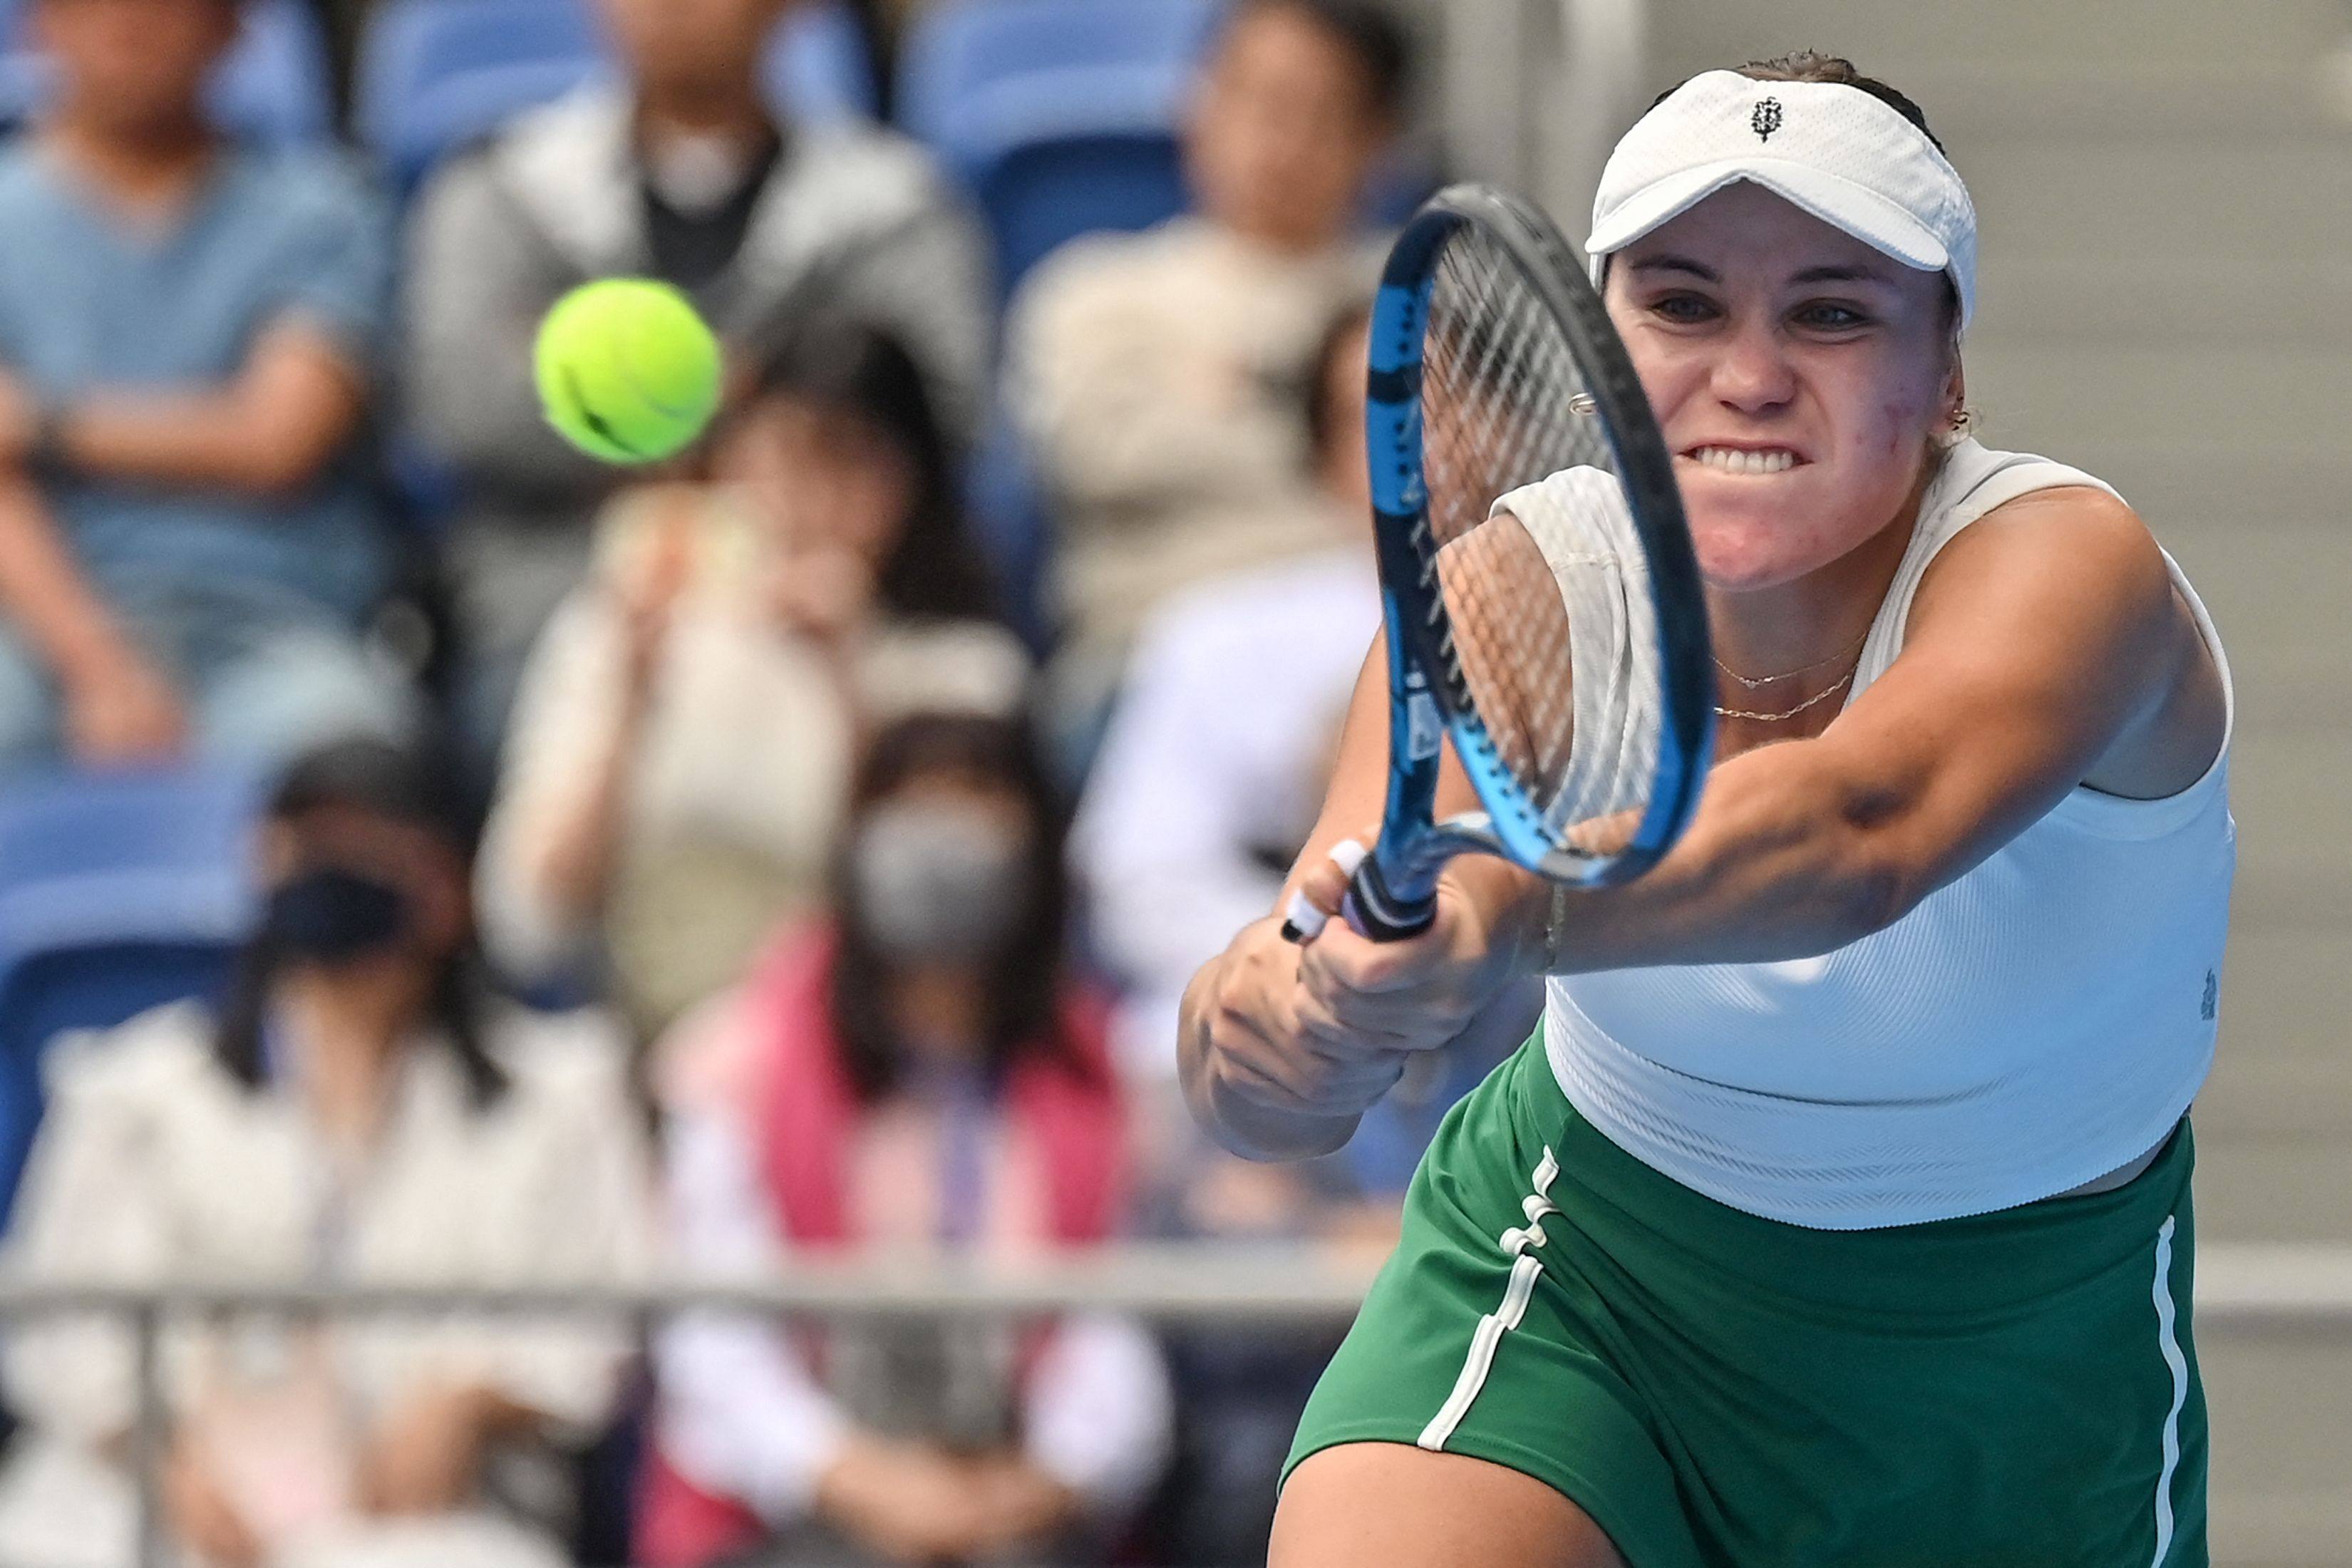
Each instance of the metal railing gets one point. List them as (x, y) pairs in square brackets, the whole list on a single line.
[(2239, 1290)]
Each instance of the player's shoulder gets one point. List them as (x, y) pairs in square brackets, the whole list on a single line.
[(2082, 531), (2070, 541)]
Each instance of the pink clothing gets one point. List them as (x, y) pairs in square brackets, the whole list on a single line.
[(1062, 1145), (840, 1173)]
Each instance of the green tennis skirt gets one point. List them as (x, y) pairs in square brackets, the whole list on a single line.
[(2016, 1389)]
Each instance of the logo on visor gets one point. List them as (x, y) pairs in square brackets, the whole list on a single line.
[(1766, 120)]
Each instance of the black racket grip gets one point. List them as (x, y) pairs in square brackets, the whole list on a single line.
[(1377, 912)]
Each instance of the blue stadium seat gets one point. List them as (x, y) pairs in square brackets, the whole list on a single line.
[(960, 50), (819, 68), (434, 75), (273, 87), (1060, 115), (1009, 524), (117, 893)]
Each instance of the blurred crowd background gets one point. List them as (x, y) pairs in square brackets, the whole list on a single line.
[(429, 857)]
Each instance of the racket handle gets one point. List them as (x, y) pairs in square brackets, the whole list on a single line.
[(1375, 911)]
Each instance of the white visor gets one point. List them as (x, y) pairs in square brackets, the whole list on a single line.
[(1843, 155)]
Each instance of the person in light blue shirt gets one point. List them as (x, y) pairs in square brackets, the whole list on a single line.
[(191, 333)]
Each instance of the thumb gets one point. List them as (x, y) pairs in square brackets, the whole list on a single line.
[(1321, 890)]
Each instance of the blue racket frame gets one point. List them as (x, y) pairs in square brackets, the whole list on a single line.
[(1393, 895)]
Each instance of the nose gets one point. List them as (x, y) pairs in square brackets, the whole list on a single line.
[(1752, 373)]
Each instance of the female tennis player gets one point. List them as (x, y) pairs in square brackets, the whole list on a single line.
[(1838, 1214)]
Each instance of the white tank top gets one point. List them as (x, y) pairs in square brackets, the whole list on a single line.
[(2038, 1023)]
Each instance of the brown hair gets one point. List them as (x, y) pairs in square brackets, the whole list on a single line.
[(1811, 65)]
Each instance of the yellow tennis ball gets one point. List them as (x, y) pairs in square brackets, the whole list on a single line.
[(627, 372)]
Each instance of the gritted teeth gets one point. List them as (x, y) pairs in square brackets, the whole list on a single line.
[(1737, 460)]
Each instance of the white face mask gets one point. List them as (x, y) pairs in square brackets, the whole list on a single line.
[(696, 176), (939, 881)]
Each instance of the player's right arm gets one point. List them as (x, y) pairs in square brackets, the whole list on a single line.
[(1267, 1068)]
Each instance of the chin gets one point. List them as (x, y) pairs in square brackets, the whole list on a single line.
[(1741, 553), (1747, 543)]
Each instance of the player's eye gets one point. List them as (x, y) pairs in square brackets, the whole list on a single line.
[(1684, 309), (1831, 316)]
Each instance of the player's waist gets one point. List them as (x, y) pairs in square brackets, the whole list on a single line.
[(2019, 1136)]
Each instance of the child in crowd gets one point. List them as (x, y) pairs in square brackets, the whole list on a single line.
[(673, 781), (356, 1114), (916, 1071)]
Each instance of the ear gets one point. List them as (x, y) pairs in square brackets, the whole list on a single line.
[(1953, 398)]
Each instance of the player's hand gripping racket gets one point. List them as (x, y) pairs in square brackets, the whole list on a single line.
[(1541, 597)]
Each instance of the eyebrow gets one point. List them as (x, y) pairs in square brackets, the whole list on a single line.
[(1846, 272), (1670, 263)]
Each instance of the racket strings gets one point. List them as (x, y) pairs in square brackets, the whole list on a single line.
[(1554, 647)]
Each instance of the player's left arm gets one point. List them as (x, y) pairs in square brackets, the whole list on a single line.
[(2047, 648)]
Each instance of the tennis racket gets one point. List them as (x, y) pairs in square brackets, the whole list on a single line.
[(1541, 597)]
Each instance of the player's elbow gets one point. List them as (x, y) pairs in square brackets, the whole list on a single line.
[(1876, 876), (1869, 893)]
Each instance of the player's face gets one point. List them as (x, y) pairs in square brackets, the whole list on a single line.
[(1801, 377), (1283, 131)]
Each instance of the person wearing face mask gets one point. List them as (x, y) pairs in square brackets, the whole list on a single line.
[(682, 743), (685, 172), (917, 1073), (354, 1114)]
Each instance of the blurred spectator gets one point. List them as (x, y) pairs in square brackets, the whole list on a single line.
[(1196, 808), (1199, 800), (355, 1115), (1153, 373), (683, 174), (190, 336), (917, 1073), (683, 735)]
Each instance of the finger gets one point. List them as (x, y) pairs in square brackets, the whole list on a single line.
[(1386, 1022), (1321, 890), (1285, 1070), (1359, 1082), (1336, 1036), (1345, 960)]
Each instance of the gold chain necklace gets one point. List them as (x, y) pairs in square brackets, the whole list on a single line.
[(1753, 682), (1842, 682)]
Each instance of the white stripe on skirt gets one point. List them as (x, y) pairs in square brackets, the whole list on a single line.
[(1516, 1242), (2171, 1342)]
